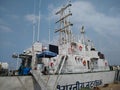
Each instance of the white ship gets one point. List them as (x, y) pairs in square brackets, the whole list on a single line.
[(71, 64)]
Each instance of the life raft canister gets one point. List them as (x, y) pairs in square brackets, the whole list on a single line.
[(80, 48), (84, 63)]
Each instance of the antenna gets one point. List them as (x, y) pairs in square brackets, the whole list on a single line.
[(38, 36), (33, 31), (82, 30), (49, 31), (65, 24), (34, 24), (82, 35)]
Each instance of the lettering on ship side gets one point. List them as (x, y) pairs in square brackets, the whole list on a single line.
[(78, 85)]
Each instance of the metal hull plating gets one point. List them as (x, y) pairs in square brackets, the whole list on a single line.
[(56, 82), (74, 81)]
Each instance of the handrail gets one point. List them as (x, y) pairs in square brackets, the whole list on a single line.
[(63, 61)]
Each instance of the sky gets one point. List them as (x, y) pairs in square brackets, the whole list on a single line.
[(101, 19)]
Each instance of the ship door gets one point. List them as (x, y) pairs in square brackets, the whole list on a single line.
[(88, 64), (94, 63)]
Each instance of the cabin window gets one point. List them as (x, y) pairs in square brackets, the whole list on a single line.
[(101, 56), (29, 62), (96, 62), (92, 49)]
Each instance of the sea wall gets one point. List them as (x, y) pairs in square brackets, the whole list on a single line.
[(18, 83)]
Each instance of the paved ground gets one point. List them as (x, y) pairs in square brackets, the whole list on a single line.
[(111, 87)]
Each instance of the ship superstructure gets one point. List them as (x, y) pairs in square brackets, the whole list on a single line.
[(75, 55)]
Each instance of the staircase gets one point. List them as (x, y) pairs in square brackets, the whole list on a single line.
[(60, 66)]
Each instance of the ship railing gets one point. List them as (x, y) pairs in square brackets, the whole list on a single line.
[(92, 54), (63, 60), (76, 68), (101, 68), (60, 64)]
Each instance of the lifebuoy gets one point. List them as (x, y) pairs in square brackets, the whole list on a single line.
[(80, 48), (51, 64), (84, 63)]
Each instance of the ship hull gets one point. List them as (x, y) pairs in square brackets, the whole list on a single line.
[(75, 81), (56, 82)]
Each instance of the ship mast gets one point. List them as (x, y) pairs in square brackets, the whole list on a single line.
[(34, 24), (82, 35), (38, 34), (65, 34)]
